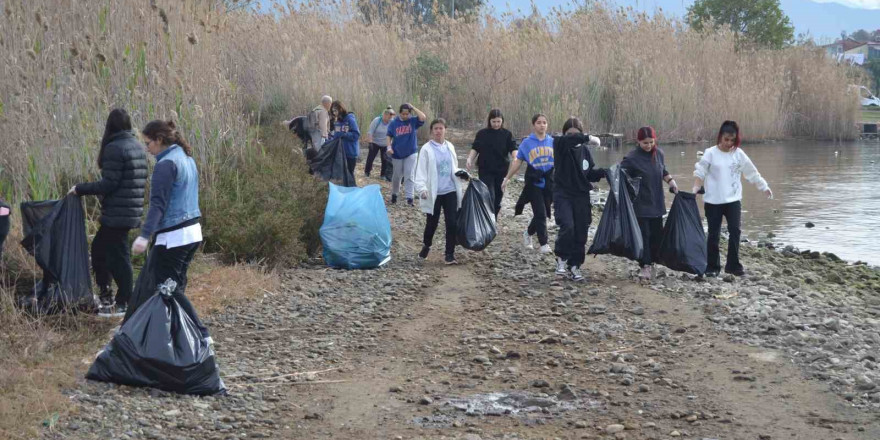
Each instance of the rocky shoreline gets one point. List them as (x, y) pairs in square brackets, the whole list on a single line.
[(499, 347)]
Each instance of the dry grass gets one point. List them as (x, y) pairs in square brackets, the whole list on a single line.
[(218, 287)]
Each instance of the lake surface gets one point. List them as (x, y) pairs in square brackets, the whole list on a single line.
[(839, 193)]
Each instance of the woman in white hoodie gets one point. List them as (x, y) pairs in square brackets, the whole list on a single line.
[(438, 188), (720, 172)]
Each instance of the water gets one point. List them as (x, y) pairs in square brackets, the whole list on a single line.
[(840, 193)]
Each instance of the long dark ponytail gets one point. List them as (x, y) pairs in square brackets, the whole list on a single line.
[(118, 120), (167, 134)]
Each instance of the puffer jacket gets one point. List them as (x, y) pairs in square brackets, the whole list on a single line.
[(123, 179)]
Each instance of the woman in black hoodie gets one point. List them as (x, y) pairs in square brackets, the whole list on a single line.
[(493, 150), (646, 162), (123, 164), (575, 170)]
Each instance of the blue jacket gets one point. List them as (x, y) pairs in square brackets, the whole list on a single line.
[(174, 192), (347, 129)]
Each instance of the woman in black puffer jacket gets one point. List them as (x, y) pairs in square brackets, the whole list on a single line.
[(123, 164)]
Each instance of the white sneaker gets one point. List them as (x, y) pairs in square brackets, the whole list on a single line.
[(527, 240), (560, 267), (575, 273), (545, 249)]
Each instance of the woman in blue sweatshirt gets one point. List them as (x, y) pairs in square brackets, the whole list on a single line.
[(537, 152), (402, 146), (172, 226), (647, 162), (345, 126)]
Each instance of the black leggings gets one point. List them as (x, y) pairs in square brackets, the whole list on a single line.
[(652, 235), (493, 181), (111, 258), (4, 231), (573, 216), (714, 213), (449, 203), (538, 225), (376, 149)]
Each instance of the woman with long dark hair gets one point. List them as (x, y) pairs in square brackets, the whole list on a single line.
[(647, 162), (345, 126), (720, 172), (172, 226), (123, 166), (493, 150)]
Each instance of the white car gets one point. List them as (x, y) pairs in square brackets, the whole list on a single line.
[(865, 96)]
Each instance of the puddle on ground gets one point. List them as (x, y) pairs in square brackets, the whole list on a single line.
[(509, 403)]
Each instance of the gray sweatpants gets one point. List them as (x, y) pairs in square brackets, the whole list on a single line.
[(403, 169), (317, 139)]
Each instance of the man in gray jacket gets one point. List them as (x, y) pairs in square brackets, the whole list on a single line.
[(319, 122)]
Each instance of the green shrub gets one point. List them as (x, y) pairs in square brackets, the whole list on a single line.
[(268, 208)]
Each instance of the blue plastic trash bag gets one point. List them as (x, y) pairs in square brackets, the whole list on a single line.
[(356, 233)]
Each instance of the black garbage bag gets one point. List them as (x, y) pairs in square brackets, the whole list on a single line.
[(4, 227), (618, 232), (55, 234), (476, 218), (684, 242), (330, 164), (160, 347)]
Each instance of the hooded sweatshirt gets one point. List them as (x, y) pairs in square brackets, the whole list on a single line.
[(538, 154), (404, 138), (347, 129)]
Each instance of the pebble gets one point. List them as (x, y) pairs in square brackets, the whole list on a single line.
[(426, 400), (615, 428)]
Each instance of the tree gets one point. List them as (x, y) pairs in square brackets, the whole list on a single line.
[(754, 22), (422, 11), (861, 36), (873, 67)]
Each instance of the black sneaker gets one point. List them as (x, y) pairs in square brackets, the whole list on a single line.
[(410, 202), (114, 311), (424, 253), (450, 260), (738, 273), (387, 178), (393, 198)]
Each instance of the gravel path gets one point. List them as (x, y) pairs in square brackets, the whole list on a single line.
[(498, 347)]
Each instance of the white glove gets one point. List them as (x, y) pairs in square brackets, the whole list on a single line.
[(139, 246), (72, 190)]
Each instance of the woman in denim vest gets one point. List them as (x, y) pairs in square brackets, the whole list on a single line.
[(172, 225)]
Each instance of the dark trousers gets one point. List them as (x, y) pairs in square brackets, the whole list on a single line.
[(573, 216), (4, 231), (174, 263), (652, 235), (449, 204), (538, 225), (111, 260), (493, 181), (733, 213), (371, 157)]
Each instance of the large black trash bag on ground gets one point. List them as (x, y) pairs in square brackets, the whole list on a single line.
[(55, 234), (160, 347), (330, 164), (684, 243), (618, 232), (476, 219)]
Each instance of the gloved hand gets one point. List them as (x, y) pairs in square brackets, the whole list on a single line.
[(695, 190), (673, 186), (139, 246), (72, 190), (423, 195)]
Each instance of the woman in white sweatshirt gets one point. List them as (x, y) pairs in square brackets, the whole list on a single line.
[(438, 188), (719, 172)]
